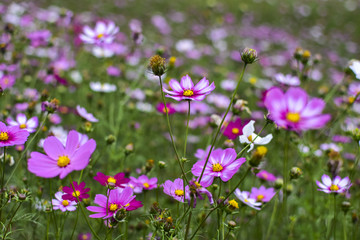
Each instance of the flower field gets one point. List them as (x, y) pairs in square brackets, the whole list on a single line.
[(179, 120)]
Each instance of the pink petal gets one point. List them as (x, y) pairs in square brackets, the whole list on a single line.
[(53, 147)]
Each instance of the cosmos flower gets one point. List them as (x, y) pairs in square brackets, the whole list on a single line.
[(234, 129), (337, 185), (84, 114), (118, 199), (222, 163), (250, 137), (176, 189), (7, 81), (244, 196), (143, 183), (12, 135), (39, 38), (187, 91), (266, 176), (60, 160), (103, 33), (79, 193), (294, 111), (162, 109), (62, 204), (23, 123), (102, 87), (287, 79), (197, 191), (118, 180), (262, 194), (355, 67)]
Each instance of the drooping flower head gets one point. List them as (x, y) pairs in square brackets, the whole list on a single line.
[(118, 199), (119, 180), (62, 204), (244, 196), (185, 90), (337, 185), (103, 33), (262, 194), (196, 191), (176, 189), (84, 114), (294, 111), (60, 160), (234, 129), (79, 193), (250, 137), (12, 135), (222, 163), (22, 122)]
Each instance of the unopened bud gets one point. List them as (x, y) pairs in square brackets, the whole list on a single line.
[(298, 53), (345, 206), (231, 224), (295, 173), (305, 56), (258, 156), (249, 56), (279, 182), (161, 164), (129, 148), (110, 139), (157, 65)]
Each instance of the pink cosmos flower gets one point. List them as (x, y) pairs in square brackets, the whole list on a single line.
[(162, 109), (62, 204), (12, 135), (118, 180), (103, 33), (262, 194), (234, 128), (198, 194), (118, 199), (294, 111), (60, 160), (23, 123), (7, 81), (187, 91), (222, 163), (80, 192), (176, 189), (84, 114), (266, 176), (337, 185), (39, 38), (143, 183)]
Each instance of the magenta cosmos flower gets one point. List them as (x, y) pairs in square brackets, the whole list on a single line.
[(118, 199), (185, 90), (169, 108), (176, 189), (12, 135), (222, 163), (22, 122), (60, 160), (337, 185), (294, 111), (143, 183), (119, 180), (62, 204), (234, 128), (7, 81), (266, 176), (262, 194), (79, 193)]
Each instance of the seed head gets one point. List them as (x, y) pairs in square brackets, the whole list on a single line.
[(157, 65)]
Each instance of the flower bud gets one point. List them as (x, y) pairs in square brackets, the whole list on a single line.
[(231, 224), (295, 173), (120, 215), (356, 134), (87, 127), (279, 182), (161, 164), (305, 57), (249, 56), (258, 156), (345, 206), (157, 65), (110, 139), (229, 143), (298, 53), (129, 149), (172, 61)]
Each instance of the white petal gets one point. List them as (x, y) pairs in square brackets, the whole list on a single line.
[(249, 128)]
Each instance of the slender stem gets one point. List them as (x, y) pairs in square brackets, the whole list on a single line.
[(76, 220), (52, 209), (170, 132), (187, 129), (356, 162), (27, 147), (2, 180), (334, 220), (107, 211), (81, 174), (285, 175), (222, 225), (189, 219), (271, 220), (8, 225), (222, 121), (344, 226)]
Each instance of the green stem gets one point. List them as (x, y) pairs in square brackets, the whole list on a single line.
[(285, 175), (222, 121), (76, 220), (356, 162), (170, 132), (344, 226), (272, 219), (189, 219), (27, 147), (107, 211), (187, 129), (334, 219), (2, 180), (52, 209), (8, 225)]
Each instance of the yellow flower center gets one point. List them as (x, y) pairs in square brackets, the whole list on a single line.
[(65, 203), (293, 117), (165, 109), (179, 192), (100, 35), (84, 237), (233, 203), (146, 185), (198, 185), (246, 200), (113, 207), (250, 138), (111, 180), (261, 151), (252, 80), (351, 99), (76, 193), (188, 93), (4, 136), (22, 126), (260, 197), (235, 130), (127, 205), (6, 81), (63, 161), (217, 167), (334, 187)]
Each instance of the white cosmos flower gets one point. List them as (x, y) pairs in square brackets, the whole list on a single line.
[(102, 87), (355, 67), (250, 137), (245, 198)]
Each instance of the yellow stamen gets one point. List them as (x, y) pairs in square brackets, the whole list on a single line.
[(22, 126), (235, 130), (113, 207), (261, 151), (127, 205), (179, 192), (6, 81), (233, 204), (63, 161), (146, 185), (351, 99), (260, 197), (165, 109), (111, 180), (253, 80), (250, 138), (293, 117), (334, 187), (188, 93), (217, 167), (4, 136), (100, 35), (198, 185), (76, 193), (65, 203)]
